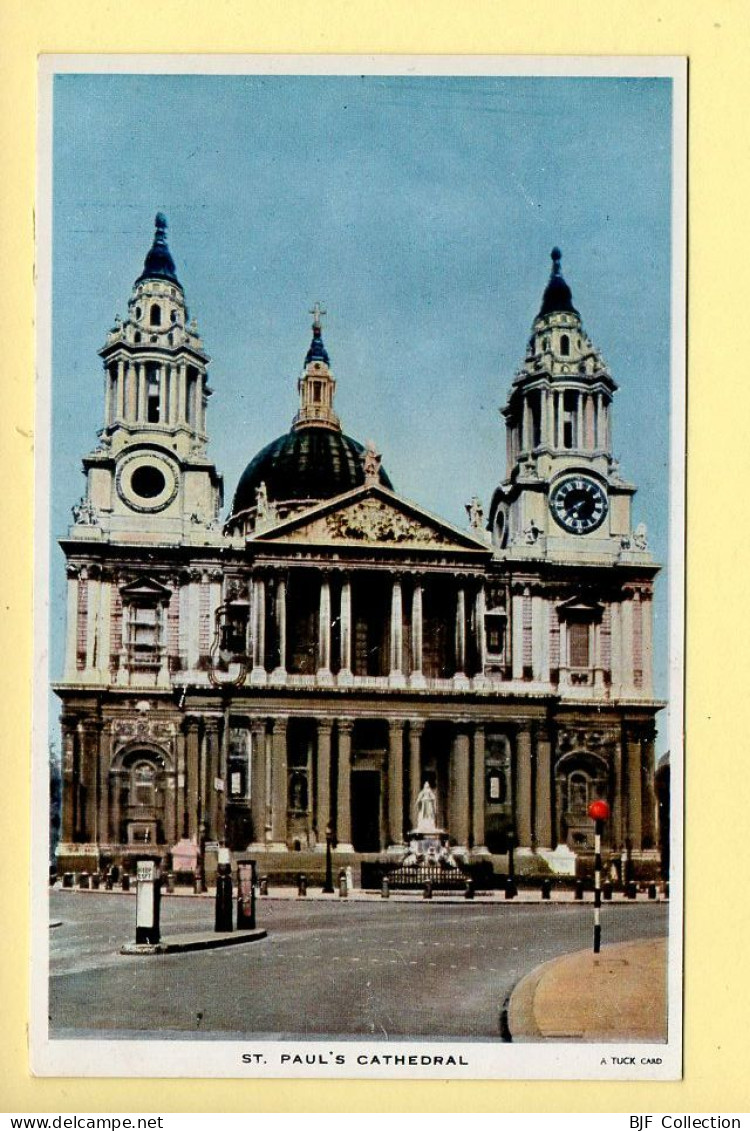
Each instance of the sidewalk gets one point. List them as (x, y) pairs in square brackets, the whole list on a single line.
[(617, 995)]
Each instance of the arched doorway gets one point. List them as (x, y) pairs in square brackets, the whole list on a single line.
[(580, 778), (143, 785)]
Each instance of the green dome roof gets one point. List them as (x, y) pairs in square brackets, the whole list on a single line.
[(306, 463)]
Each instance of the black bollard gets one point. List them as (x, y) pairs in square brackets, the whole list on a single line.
[(302, 884), (665, 889), (385, 890), (469, 892), (95, 881), (652, 891), (630, 889), (108, 881), (67, 880), (579, 889), (546, 889), (223, 920), (511, 891), (83, 880), (607, 890), (427, 891), (264, 885), (125, 881)]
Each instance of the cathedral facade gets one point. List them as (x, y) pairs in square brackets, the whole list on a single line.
[(298, 670)]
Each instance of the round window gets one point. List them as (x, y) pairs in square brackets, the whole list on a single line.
[(148, 482)]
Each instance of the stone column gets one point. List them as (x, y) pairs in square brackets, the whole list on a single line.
[(215, 766), (525, 445), (345, 637), (516, 629), (89, 732), (258, 781), (323, 782), (116, 777), (344, 786), (626, 643), (108, 398), (142, 413), (635, 791), (182, 394), (550, 418), (460, 673), (324, 632), (647, 657), (560, 405), (617, 832), (132, 393), (258, 674), (417, 678), (458, 804), (523, 788), (416, 729), (649, 792), (102, 773), (579, 420), (181, 814), (480, 610), (598, 421), (120, 406), (68, 769), (192, 758), (279, 675), (396, 781), (543, 813), (71, 623), (396, 668), (478, 800), (170, 782), (279, 784)]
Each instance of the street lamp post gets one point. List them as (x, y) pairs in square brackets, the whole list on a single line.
[(328, 885), (599, 812)]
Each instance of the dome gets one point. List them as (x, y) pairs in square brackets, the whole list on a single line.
[(557, 296), (307, 463)]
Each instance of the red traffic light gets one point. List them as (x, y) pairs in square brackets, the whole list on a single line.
[(599, 810)]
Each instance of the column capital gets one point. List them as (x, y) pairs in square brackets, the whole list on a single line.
[(324, 725), (258, 726), (279, 723), (345, 726), (191, 723), (396, 725), (416, 726)]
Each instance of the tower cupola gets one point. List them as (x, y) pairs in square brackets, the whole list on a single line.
[(317, 385)]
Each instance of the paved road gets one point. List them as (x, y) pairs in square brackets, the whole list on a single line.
[(327, 969)]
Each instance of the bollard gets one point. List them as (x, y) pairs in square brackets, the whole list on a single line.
[(223, 920), (83, 880), (469, 892), (264, 885), (546, 889), (245, 895), (147, 903), (427, 892), (95, 881), (67, 880), (607, 890), (108, 881), (170, 882), (125, 881), (665, 889), (511, 891), (579, 890), (302, 884), (197, 883), (652, 891), (630, 889), (385, 890), (343, 886)]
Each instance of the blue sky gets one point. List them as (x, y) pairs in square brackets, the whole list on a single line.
[(421, 211)]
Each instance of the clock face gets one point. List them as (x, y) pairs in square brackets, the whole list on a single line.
[(579, 504)]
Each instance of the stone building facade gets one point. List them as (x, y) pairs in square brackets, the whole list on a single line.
[(308, 663)]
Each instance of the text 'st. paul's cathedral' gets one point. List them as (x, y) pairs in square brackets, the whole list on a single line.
[(300, 671)]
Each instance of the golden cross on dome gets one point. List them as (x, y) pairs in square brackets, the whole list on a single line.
[(317, 312)]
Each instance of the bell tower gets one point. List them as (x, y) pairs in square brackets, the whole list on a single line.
[(563, 496), (150, 478)]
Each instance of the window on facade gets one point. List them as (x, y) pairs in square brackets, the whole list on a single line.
[(578, 792), (144, 639), (564, 345), (155, 318), (494, 633), (570, 405), (144, 784), (578, 644), (153, 397)]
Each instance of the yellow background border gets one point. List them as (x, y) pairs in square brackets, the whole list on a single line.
[(715, 38)]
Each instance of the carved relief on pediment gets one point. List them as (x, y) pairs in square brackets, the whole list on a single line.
[(369, 521)]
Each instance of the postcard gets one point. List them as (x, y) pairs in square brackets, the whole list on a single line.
[(359, 593)]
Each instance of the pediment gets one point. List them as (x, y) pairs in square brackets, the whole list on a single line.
[(373, 516), (144, 588)]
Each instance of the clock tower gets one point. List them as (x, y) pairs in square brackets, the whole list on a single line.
[(562, 496), (149, 479)]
